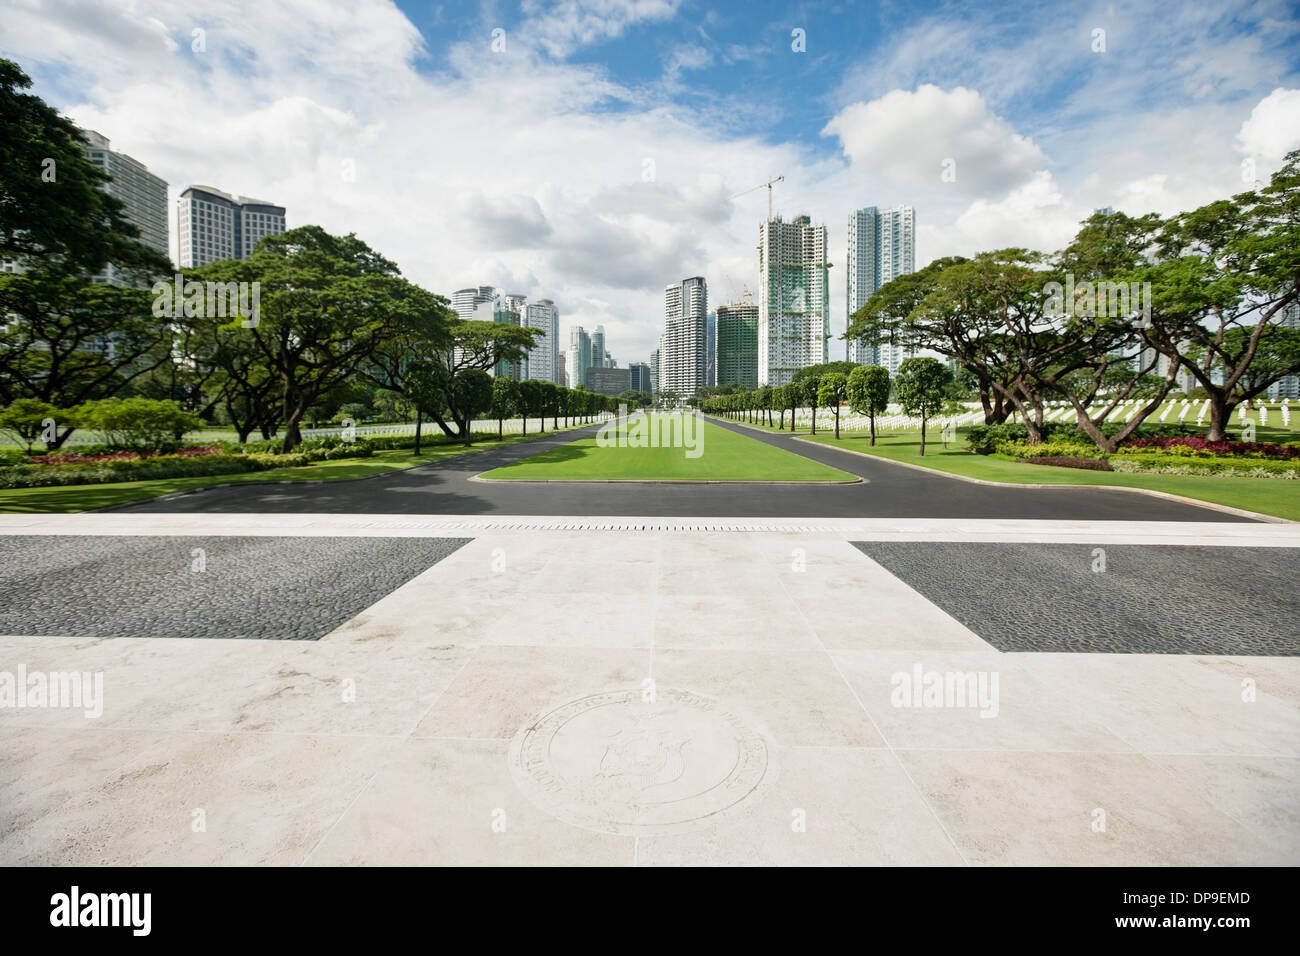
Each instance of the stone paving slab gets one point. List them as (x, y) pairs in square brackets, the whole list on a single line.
[(557, 692), (281, 588), (1120, 599)]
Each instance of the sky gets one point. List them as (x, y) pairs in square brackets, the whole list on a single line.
[(588, 151)]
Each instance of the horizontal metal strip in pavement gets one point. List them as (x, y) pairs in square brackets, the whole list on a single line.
[(865, 529)]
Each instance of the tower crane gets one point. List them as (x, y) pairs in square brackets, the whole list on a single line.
[(769, 184)]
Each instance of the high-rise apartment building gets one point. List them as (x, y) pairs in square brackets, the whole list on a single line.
[(683, 348), (794, 299), (711, 359), (544, 356), (142, 194), (737, 344), (598, 354), (475, 303), (654, 368), (214, 225), (882, 247)]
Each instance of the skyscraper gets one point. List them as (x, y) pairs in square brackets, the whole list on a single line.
[(654, 369), (711, 360), (215, 225), (683, 349), (142, 194), (543, 357), (882, 247), (794, 303), (640, 377), (474, 304), (737, 337), (598, 346), (579, 358), (508, 310)]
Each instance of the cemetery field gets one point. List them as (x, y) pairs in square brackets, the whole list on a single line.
[(714, 454), (1272, 496), (72, 498)]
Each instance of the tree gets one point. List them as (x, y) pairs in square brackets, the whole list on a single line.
[(920, 388), (69, 340), (29, 418), (470, 395), (54, 213), (505, 401), (809, 387), (551, 393), (776, 402), (831, 390), (328, 304), (1227, 276), (143, 424), (531, 400), (868, 393), (763, 402)]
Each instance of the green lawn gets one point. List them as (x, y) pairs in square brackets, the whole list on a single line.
[(70, 498), (1273, 496), (723, 456)]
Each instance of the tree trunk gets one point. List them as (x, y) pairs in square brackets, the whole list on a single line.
[(837, 421), (501, 428), (814, 419), (292, 434), (923, 436), (781, 427), (1220, 416), (419, 420), (525, 425), (872, 417)]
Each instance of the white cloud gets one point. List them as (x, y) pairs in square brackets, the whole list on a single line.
[(1273, 127), (914, 136), (561, 28), (516, 170)]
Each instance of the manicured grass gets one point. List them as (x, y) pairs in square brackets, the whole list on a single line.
[(71, 498), (1272, 496), (724, 456)]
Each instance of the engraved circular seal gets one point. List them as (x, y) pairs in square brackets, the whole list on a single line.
[(619, 763)]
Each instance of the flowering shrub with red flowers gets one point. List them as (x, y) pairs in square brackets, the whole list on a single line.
[(73, 458), (1199, 447)]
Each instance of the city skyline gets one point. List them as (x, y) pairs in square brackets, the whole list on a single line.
[(678, 108)]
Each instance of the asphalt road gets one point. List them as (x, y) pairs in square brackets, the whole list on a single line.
[(890, 491)]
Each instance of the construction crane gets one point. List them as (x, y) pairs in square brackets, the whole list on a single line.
[(769, 184)]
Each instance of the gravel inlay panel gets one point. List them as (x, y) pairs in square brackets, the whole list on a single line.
[(1149, 599), (268, 588)]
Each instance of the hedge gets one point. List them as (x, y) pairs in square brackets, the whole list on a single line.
[(143, 469), (984, 439)]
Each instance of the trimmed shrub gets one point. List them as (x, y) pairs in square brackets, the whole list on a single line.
[(142, 469), (1201, 447), (1048, 449), (1088, 464), (1165, 464)]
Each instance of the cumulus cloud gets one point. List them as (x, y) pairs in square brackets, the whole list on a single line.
[(914, 136), (550, 178), (1273, 127)]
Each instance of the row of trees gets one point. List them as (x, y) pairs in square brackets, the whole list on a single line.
[(1119, 314), (329, 316), (924, 387)]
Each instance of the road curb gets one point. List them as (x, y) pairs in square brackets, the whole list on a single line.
[(1225, 509)]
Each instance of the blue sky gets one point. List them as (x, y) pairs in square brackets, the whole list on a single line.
[(593, 159)]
